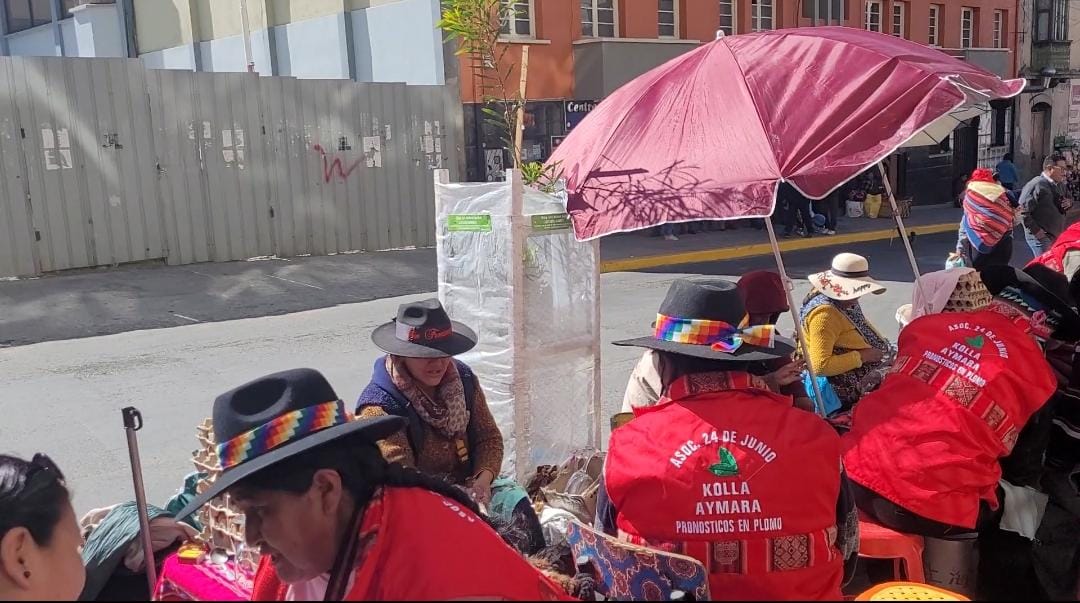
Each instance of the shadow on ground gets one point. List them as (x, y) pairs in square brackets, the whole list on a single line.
[(107, 301)]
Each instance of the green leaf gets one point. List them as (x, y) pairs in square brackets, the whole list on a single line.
[(976, 342)]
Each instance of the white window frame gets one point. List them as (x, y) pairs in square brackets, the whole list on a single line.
[(757, 21), (933, 34), (999, 29), (967, 16), (901, 31), (596, 15), (867, 14), (675, 20), (511, 24), (734, 6)]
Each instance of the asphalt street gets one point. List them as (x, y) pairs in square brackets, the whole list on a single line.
[(62, 396)]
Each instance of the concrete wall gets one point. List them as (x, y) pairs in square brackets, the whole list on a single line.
[(161, 25), (179, 57), (96, 32), (36, 42), (313, 48), (398, 42)]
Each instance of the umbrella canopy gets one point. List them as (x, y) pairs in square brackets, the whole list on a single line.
[(709, 134)]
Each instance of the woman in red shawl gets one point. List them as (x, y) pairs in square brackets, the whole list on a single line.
[(334, 521)]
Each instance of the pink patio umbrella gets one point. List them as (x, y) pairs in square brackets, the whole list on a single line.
[(712, 133)]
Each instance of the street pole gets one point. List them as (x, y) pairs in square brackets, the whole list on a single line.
[(247, 36)]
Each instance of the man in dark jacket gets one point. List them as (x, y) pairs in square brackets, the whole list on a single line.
[(1041, 208)]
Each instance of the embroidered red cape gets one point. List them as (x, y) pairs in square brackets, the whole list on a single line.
[(419, 546), (741, 479), (963, 386)]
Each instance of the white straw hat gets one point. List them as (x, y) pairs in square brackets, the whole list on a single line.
[(847, 279)]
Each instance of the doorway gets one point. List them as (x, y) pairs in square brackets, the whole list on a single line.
[(1041, 140)]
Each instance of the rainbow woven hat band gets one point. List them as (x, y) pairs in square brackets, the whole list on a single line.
[(281, 430), (718, 334)]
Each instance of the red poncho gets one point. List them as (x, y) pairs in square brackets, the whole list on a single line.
[(929, 439), (423, 547)]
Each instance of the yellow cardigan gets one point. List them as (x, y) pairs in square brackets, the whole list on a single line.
[(826, 330)]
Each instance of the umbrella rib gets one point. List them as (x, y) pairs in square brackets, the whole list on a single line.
[(602, 153), (753, 101)]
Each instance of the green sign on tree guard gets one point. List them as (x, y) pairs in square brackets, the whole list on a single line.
[(544, 222), (468, 223)]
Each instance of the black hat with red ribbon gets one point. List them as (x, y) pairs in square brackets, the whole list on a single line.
[(424, 330)]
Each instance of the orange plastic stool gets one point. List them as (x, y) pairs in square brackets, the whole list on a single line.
[(908, 591), (879, 542)]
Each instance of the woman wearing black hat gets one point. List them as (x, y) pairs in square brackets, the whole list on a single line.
[(451, 432), (334, 521), (726, 471)]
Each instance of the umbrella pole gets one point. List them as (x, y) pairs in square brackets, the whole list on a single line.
[(789, 288), (900, 225), (133, 422)]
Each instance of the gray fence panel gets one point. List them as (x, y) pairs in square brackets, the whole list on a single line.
[(120, 165), (17, 247)]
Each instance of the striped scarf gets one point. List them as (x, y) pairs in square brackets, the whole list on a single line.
[(988, 217)]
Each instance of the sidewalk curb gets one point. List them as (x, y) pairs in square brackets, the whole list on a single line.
[(745, 251)]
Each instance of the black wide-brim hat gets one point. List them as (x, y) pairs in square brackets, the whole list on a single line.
[(1048, 287), (424, 330), (714, 300), (276, 417)]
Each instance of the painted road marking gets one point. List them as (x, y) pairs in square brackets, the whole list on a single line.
[(295, 282), (746, 251)]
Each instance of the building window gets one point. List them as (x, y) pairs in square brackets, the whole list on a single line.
[(668, 18), (727, 17), (831, 11), (1051, 21), (598, 18), (933, 35), (517, 19), (24, 14), (899, 17), (967, 27), (999, 28), (762, 15), (872, 21), (999, 126)]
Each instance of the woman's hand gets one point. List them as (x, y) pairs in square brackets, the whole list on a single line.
[(481, 487), (785, 376), (871, 355)]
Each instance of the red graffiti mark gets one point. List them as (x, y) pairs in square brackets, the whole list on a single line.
[(329, 167)]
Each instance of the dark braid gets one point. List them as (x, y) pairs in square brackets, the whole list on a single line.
[(399, 476)]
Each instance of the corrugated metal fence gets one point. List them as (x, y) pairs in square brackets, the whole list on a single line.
[(104, 162)]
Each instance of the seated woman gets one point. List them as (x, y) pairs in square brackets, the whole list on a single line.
[(39, 536), (843, 345), (763, 295), (335, 521), (451, 432), (726, 471), (952, 290), (925, 449)]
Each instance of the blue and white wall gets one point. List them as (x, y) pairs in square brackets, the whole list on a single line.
[(391, 40), (92, 30)]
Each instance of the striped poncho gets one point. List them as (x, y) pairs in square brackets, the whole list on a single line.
[(988, 216)]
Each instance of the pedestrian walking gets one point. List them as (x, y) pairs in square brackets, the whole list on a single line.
[(798, 208), (1007, 173), (1042, 208)]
